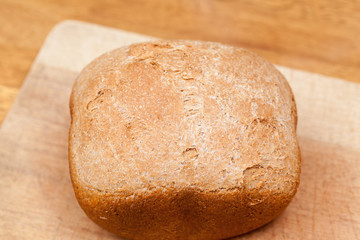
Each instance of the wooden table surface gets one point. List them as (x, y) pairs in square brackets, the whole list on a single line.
[(319, 36)]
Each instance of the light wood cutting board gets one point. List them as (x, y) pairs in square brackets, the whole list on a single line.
[(36, 196)]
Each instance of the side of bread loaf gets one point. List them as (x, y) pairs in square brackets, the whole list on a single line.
[(182, 140)]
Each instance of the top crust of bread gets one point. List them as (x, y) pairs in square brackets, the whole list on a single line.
[(189, 122)]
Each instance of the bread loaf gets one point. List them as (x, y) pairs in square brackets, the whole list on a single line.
[(182, 140)]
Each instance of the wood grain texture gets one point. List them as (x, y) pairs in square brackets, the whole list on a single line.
[(7, 97), (36, 196), (320, 36)]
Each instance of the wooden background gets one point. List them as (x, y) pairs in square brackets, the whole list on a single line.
[(320, 36)]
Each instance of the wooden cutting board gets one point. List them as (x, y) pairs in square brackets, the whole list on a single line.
[(36, 196)]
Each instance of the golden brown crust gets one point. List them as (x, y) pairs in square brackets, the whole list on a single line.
[(182, 140)]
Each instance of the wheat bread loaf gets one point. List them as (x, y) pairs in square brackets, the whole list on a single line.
[(182, 140)]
